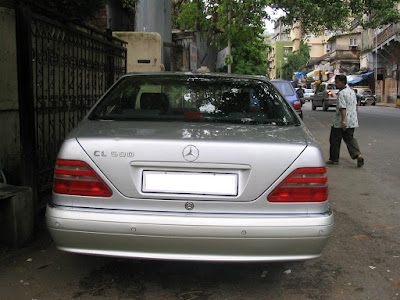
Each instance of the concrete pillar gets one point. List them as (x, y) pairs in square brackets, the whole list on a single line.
[(143, 51), (16, 215)]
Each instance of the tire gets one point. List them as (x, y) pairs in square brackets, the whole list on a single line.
[(325, 106), (313, 106)]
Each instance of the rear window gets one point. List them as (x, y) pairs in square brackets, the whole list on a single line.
[(285, 88), (194, 99), (331, 87), (365, 92)]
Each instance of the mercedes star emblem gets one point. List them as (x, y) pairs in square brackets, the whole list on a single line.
[(190, 153), (189, 205)]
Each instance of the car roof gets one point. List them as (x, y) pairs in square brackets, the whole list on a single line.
[(200, 74)]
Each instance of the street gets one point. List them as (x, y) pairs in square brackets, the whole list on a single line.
[(361, 260)]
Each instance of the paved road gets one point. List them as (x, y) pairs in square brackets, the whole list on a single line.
[(361, 260)]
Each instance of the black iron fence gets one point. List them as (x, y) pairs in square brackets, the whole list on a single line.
[(68, 67)]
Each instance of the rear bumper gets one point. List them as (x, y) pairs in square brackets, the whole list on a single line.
[(190, 236), (368, 100)]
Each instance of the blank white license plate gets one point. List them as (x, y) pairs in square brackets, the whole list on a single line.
[(190, 183)]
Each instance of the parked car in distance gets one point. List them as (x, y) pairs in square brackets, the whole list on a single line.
[(288, 91), (191, 166), (364, 96), (308, 94), (325, 96)]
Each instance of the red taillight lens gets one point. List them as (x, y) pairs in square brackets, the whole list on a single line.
[(330, 94), (302, 185), (73, 177), (297, 104)]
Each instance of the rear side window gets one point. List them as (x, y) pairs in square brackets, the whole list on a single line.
[(194, 99), (320, 88), (285, 88)]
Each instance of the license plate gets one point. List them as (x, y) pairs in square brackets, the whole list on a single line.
[(220, 184)]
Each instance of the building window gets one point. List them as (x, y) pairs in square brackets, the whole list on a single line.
[(309, 35), (285, 60), (328, 48), (353, 42), (287, 51)]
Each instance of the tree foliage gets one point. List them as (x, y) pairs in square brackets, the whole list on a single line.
[(238, 20), (319, 15), (296, 61), (245, 27)]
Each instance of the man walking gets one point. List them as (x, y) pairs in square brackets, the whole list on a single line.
[(344, 123)]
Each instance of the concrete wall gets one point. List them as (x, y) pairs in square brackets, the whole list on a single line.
[(155, 16), (343, 42), (143, 51), (279, 55), (10, 152), (206, 52)]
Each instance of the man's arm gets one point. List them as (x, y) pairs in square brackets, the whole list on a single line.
[(343, 114)]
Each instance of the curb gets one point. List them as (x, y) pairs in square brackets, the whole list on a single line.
[(393, 105)]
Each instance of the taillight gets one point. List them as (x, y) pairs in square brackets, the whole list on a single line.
[(297, 104), (330, 94), (302, 185), (73, 177)]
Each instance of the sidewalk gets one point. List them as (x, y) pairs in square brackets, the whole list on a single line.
[(387, 104)]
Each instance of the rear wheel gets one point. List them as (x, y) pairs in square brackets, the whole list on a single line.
[(325, 106), (313, 106)]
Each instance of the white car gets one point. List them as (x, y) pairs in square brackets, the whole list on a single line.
[(308, 94)]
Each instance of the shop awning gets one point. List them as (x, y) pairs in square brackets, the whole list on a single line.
[(366, 74), (300, 74), (355, 81)]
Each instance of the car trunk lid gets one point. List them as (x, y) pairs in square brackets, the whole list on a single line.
[(246, 158)]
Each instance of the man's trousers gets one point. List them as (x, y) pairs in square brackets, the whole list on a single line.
[(337, 134)]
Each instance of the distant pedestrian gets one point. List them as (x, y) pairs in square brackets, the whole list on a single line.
[(344, 123), (300, 93)]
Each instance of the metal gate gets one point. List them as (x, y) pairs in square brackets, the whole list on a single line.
[(69, 67)]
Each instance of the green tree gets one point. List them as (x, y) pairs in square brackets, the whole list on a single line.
[(296, 61), (239, 21), (319, 15), (245, 26)]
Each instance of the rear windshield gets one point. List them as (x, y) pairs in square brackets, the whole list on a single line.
[(365, 92), (194, 99), (331, 87), (285, 88)]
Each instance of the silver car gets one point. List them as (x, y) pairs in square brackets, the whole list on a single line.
[(189, 166), (325, 96)]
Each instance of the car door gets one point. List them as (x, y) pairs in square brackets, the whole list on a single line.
[(319, 95)]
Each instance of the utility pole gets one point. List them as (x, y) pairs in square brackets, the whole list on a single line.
[(229, 45), (376, 63)]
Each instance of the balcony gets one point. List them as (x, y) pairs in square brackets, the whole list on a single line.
[(389, 34), (348, 55)]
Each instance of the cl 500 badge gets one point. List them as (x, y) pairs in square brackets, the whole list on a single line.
[(114, 154)]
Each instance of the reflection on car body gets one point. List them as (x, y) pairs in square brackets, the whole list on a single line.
[(191, 167), (290, 94)]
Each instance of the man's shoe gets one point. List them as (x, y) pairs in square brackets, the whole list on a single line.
[(330, 162), (360, 161)]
